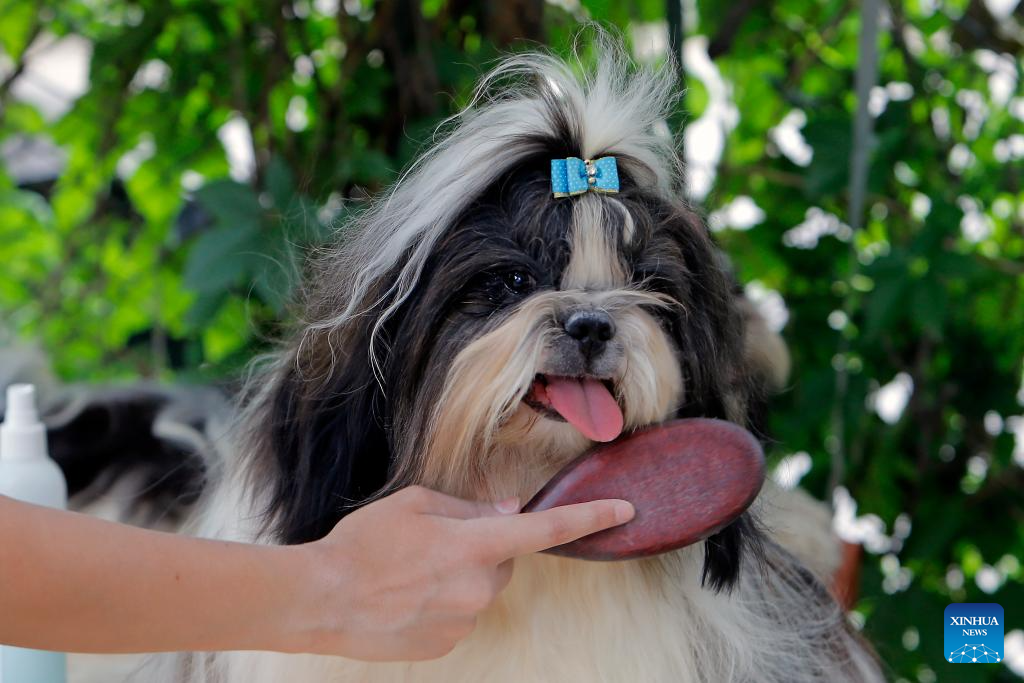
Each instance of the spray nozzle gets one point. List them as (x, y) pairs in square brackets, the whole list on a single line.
[(22, 435), (21, 405)]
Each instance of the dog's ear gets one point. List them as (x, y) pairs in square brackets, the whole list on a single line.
[(707, 327), (722, 382), (739, 542), (324, 439)]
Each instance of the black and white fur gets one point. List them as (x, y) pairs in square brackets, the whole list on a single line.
[(420, 338)]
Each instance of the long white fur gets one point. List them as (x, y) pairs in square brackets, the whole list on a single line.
[(559, 620)]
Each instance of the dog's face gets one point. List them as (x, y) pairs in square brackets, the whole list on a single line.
[(540, 326)]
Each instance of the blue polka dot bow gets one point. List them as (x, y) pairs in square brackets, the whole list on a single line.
[(574, 176)]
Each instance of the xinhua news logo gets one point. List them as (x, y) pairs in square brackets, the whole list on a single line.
[(973, 633)]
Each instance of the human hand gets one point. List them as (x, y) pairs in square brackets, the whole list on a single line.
[(405, 577)]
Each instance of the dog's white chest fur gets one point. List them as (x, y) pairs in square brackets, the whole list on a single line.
[(559, 620)]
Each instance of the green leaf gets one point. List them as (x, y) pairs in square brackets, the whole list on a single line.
[(220, 258), (829, 170), (884, 304), (274, 284), (231, 203), (600, 10), (205, 308), (280, 183), (928, 305)]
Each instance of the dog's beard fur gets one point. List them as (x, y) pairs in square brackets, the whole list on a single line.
[(483, 441)]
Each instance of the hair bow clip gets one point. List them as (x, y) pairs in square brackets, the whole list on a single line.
[(575, 176)]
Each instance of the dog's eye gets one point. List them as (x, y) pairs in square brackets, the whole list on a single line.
[(494, 289), (517, 282), (507, 286)]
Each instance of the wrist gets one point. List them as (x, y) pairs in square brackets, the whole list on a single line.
[(309, 621), (276, 620)]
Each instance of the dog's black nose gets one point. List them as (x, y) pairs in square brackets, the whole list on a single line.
[(591, 328)]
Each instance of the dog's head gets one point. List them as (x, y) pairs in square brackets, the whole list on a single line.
[(474, 333)]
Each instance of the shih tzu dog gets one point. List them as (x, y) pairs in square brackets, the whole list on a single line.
[(533, 284)]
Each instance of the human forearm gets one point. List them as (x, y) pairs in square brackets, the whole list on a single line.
[(74, 583)]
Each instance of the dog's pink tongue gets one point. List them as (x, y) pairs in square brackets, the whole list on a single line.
[(587, 405)]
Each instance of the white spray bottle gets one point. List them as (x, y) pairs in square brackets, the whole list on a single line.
[(27, 473)]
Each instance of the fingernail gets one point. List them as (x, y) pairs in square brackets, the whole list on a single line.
[(624, 511), (509, 506)]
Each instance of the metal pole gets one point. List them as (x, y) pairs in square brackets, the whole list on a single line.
[(863, 128), (860, 164)]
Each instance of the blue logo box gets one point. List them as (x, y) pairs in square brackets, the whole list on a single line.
[(973, 633)]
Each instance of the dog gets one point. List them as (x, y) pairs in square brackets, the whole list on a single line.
[(473, 333)]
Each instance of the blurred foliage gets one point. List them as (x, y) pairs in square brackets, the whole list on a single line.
[(144, 256)]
